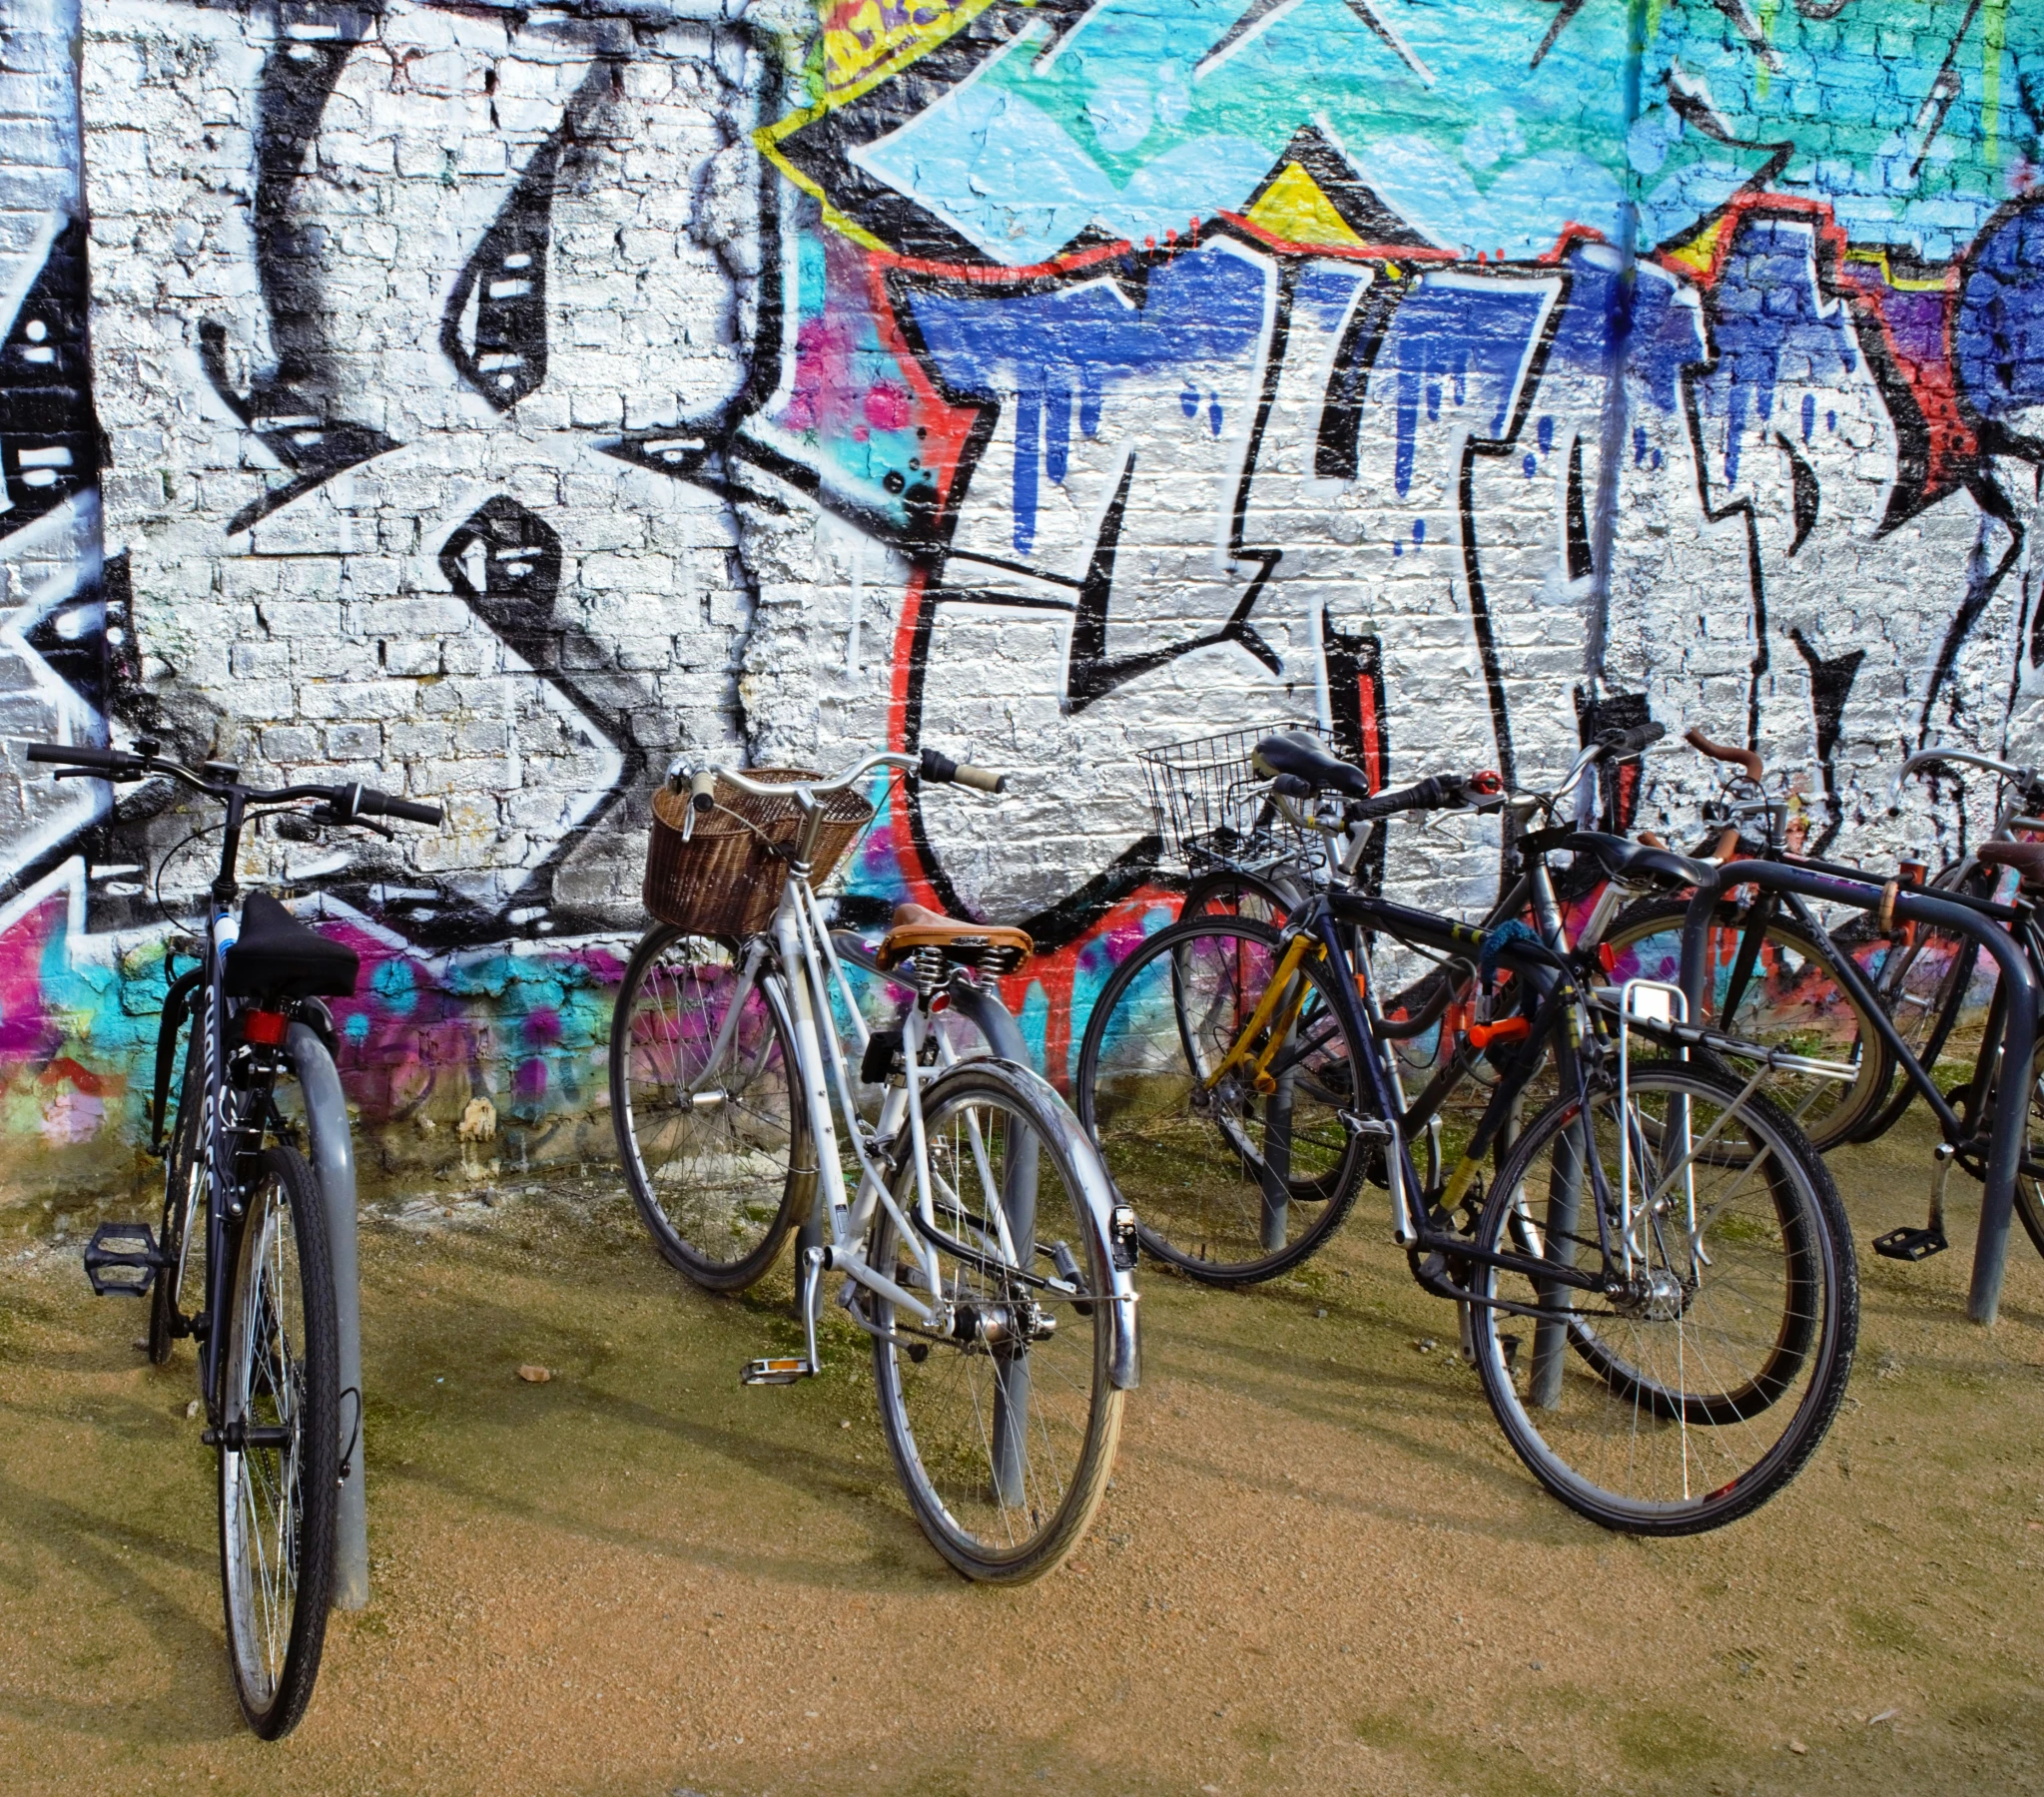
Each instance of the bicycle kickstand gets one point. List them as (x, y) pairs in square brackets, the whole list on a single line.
[(1921, 1244), (787, 1370)]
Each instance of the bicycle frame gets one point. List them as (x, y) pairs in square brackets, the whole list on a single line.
[(809, 974), (1557, 1022)]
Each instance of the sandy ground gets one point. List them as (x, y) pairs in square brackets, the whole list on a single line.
[(1320, 1568)]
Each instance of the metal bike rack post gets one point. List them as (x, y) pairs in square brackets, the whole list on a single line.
[(2019, 1033), (333, 1155)]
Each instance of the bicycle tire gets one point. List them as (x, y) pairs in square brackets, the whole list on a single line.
[(727, 1181), (1768, 1314), (1799, 998), (1004, 1498), (1192, 1161), (279, 1502), (2029, 1193), (1942, 1012), (184, 1203)]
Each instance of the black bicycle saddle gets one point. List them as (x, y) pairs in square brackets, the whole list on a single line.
[(277, 954), (1303, 757), (1631, 863)]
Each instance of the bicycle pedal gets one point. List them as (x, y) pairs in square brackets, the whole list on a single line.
[(1910, 1244), (122, 1258), (775, 1371)]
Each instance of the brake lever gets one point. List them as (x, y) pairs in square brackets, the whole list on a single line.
[(124, 778), (388, 834)]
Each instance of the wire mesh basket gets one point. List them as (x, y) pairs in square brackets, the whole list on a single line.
[(1213, 808), (726, 878)]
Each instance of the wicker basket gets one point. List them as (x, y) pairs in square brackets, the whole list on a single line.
[(725, 880)]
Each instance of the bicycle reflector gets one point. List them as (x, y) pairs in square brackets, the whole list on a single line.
[(264, 1028)]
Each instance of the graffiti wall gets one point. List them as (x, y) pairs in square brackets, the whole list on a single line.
[(497, 401)]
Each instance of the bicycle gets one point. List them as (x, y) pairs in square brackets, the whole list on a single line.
[(1690, 1350), (263, 1243), (982, 1246), (1768, 980)]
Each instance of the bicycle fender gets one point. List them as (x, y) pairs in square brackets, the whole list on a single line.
[(331, 1147), (992, 1019), (1097, 1193)]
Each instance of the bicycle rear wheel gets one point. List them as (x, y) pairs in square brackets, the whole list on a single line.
[(279, 1444), (1691, 1397), (1001, 1423), (1791, 1001), (1234, 1177), (708, 1115)]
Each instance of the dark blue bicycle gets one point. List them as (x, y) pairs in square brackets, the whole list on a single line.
[(255, 1260)]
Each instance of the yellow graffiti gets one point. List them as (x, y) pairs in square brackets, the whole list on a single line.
[(1878, 258), (867, 40), (1699, 253), (1294, 209)]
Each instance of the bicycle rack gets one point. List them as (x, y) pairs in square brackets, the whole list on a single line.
[(2019, 1030)]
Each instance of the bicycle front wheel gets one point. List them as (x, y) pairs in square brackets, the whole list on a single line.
[(1238, 1165), (279, 1445), (1790, 1000), (1000, 1413), (705, 1105), (1700, 1368), (182, 1239)]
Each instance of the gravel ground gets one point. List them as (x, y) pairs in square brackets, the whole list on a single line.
[(1320, 1569)]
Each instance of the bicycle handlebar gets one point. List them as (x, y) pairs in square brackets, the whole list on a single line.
[(1746, 758), (368, 803), (1626, 743), (347, 803), (1924, 757), (929, 765), (81, 757)]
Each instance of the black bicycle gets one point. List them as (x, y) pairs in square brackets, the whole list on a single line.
[(242, 1263), (1669, 1236)]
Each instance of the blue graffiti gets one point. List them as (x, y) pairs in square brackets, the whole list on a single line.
[(1479, 333), (2000, 336), (1771, 324), (1199, 311)]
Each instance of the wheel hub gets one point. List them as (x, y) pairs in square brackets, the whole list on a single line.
[(1655, 1295)]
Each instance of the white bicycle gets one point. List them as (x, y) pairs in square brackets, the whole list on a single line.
[(978, 1236)]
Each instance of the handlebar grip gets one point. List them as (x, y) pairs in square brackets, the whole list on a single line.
[(74, 755), (1290, 786), (945, 772), (702, 789), (1745, 758), (1430, 793), (1638, 736), (372, 804)]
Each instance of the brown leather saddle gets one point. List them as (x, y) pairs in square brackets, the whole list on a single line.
[(2026, 858), (986, 948)]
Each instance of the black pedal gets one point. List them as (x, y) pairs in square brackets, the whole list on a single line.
[(1910, 1244), (122, 1258)]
